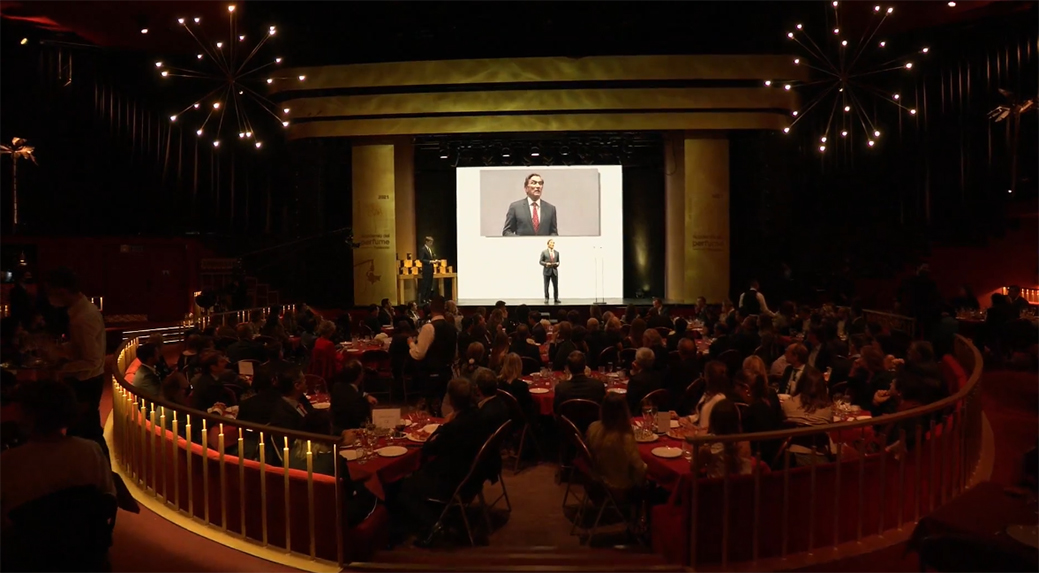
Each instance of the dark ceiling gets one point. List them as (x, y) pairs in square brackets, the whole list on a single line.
[(340, 32)]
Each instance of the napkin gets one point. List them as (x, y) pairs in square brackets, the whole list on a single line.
[(430, 428)]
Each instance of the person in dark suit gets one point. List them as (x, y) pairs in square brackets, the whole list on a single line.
[(206, 388), (550, 262), (531, 216), (563, 347), (22, 303), (244, 348), (681, 325), (579, 386), (494, 411), (797, 358), (447, 457), (351, 406), (523, 348), (644, 379), (428, 258), (681, 374), (292, 410)]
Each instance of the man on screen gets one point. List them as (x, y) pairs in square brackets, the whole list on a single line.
[(531, 216), (428, 258), (550, 260)]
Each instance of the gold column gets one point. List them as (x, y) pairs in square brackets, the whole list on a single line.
[(674, 223), (706, 216), (404, 182), (374, 225)]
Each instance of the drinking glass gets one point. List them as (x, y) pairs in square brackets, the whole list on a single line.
[(687, 451), (602, 369), (609, 367)]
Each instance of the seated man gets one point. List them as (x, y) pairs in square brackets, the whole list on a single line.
[(644, 379), (579, 385), (494, 411), (206, 386), (351, 406), (146, 379), (447, 457)]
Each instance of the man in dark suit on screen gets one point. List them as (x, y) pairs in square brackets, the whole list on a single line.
[(550, 262), (531, 216)]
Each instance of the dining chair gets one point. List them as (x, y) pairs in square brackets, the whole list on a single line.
[(530, 365), (520, 421), (471, 487), (660, 398)]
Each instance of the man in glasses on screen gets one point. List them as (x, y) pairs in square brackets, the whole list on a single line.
[(531, 216)]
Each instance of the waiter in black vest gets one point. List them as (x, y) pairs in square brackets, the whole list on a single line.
[(753, 302), (434, 350)]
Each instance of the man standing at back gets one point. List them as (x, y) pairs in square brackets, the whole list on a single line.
[(753, 302), (531, 216), (83, 356), (434, 349)]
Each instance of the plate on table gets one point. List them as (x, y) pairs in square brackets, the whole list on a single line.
[(783, 397), (350, 455), (1027, 534), (539, 390), (422, 434), (645, 438), (392, 451), (321, 405), (682, 433), (667, 452), (618, 390)]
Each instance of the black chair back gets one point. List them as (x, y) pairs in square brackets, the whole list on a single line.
[(530, 365), (473, 482), (627, 356), (694, 392), (664, 331), (580, 411), (609, 356), (68, 530), (732, 359), (660, 398)]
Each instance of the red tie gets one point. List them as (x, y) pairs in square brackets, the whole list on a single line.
[(534, 218), (551, 256)]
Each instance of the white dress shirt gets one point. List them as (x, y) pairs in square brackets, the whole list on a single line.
[(86, 346), (530, 207), (761, 301), (425, 337)]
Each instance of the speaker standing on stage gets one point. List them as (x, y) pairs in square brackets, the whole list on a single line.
[(428, 258), (550, 260), (531, 216)]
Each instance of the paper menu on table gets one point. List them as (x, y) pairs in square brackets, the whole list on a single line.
[(245, 368), (386, 417), (663, 421)]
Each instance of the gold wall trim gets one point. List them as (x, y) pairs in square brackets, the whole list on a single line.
[(544, 100), (538, 123), (524, 70)]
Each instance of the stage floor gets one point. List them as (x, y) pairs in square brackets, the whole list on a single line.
[(564, 302)]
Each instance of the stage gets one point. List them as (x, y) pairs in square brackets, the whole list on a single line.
[(565, 303)]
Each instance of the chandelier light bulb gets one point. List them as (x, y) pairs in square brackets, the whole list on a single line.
[(844, 42), (876, 134), (847, 108), (180, 21), (870, 143), (844, 134), (241, 135), (199, 133), (158, 64), (164, 73), (196, 105), (786, 130), (822, 139), (258, 144), (836, 31), (284, 124), (799, 26), (952, 4), (912, 112), (822, 148), (890, 10), (909, 65), (219, 44), (277, 60), (789, 34), (835, 3), (896, 96), (925, 50), (197, 20), (285, 110), (301, 78), (787, 87), (173, 118), (270, 80), (249, 134), (241, 38), (795, 113), (199, 56), (144, 30), (216, 105), (797, 61), (876, 8), (216, 143), (882, 44), (230, 8), (768, 83)]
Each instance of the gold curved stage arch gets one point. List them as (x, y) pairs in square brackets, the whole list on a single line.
[(694, 100)]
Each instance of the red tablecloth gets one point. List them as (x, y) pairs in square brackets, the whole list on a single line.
[(294, 342), (853, 435), (389, 470), (666, 472), (357, 349), (546, 401)]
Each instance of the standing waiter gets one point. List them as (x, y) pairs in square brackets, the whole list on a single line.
[(434, 350), (428, 258), (83, 356)]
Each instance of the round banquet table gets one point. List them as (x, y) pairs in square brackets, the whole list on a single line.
[(666, 472), (354, 350), (545, 402), (377, 471)]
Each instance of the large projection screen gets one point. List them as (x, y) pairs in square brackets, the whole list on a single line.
[(499, 252)]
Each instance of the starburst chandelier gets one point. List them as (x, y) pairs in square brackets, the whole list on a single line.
[(855, 91), (231, 72)]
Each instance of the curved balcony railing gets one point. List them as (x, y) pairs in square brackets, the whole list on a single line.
[(917, 459)]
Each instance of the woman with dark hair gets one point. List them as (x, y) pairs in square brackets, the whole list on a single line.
[(868, 375), (472, 361), (763, 413), (630, 314), (726, 458), (611, 440), (563, 346), (635, 332), (716, 376), (811, 405), (499, 350)]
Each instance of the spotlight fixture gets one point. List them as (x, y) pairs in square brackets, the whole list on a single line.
[(24, 41), (505, 152), (534, 152), (144, 30)]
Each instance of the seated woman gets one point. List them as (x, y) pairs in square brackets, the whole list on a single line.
[(611, 440), (471, 363), (188, 360), (511, 380), (868, 376), (324, 360), (717, 387), (50, 461), (719, 459), (811, 406), (499, 349)]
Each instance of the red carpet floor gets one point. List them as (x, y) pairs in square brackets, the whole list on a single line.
[(147, 542)]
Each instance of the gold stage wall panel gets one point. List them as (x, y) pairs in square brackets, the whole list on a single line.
[(540, 123), (525, 70), (374, 223), (492, 102)]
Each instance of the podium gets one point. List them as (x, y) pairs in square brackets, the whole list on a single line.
[(409, 269)]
